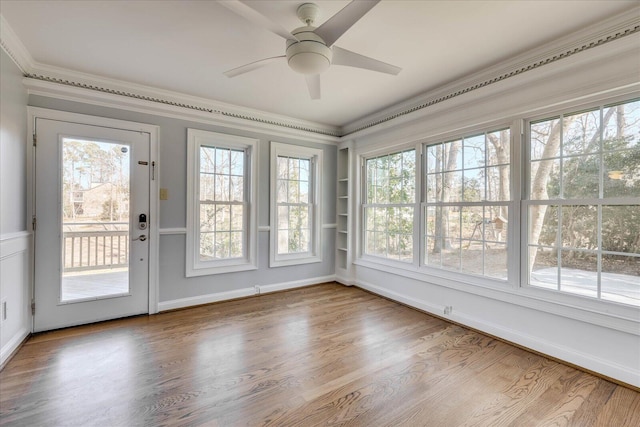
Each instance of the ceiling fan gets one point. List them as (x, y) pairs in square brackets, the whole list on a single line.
[(310, 50)]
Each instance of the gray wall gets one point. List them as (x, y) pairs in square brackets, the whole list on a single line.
[(14, 237), (173, 176), (13, 140)]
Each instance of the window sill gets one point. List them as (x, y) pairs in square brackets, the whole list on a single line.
[(290, 261), (222, 269)]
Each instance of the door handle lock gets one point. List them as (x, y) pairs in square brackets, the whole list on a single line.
[(141, 237)]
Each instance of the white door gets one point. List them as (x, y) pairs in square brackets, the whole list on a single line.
[(92, 216)]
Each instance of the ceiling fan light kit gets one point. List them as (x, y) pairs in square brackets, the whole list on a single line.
[(309, 50), (309, 55)]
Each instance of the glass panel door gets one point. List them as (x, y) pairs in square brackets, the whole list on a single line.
[(95, 219)]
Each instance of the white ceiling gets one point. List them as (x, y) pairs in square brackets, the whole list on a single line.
[(185, 46)]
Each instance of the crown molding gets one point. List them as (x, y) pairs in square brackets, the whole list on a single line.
[(88, 87), (72, 85), (599, 34), (84, 87), (12, 45)]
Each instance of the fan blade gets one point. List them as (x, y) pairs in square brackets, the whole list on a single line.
[(257, 18), (339, 23), (313, 84), (252, 66), (352, 59)]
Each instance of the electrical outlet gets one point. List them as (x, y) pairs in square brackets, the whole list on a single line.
[(448, 309)]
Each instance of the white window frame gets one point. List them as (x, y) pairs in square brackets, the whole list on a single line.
[(485, 204), (364, 205), (194, 266), (315, 200), (558, 294)]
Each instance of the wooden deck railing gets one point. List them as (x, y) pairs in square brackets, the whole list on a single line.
[(95, 246)]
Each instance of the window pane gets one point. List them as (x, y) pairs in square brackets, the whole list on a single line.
[(207, 187), (473, 186), (282, 166), (282, 191), (496, 223), (283, 217), (472, 223), (433, 253), (304, 191), (451, 190), (498, 187), (294, 192), (451, 157), (237, 218), (222, 245), (495, 261), (235, 250), (581, 133), (621, 228), (451, 255), (237, 162), (434, 184), (236, 188), (473, 151), (498, 147), (622, 173), (283, 241), (305, 168), (221, 188), (543, 225), (579, 272), (545, 139), (434, 158), (581, 177), (545, 180), (621, 279), (543, 265), (621, 125), (472, 257), (207, 159), (579, 227), (223, 217), (223, 161), (206, 246), (207, 217)]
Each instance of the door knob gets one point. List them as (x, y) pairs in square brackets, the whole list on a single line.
[(141, 237)]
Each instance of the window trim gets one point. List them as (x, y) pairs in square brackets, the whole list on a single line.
[(560, 295), (315, 190), (195, 139), (511, 205), (363, 205)]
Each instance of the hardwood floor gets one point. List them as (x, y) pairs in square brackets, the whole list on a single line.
[(323, 355)]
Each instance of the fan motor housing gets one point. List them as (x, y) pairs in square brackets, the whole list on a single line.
[(310, 55)]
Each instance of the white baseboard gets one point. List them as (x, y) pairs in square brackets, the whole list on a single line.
[(204, 299), (345, 281), (590, 362), (13, 344), (240, 293), (265, 289)]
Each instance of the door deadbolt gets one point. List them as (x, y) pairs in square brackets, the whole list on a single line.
[(142, 222)]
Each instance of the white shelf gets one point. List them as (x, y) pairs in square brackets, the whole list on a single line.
[(342, 207)]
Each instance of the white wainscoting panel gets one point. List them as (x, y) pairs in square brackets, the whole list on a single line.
[(15, 316)]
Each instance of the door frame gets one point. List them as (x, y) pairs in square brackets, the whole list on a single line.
[(154, 187)]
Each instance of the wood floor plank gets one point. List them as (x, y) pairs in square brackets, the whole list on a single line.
[(322, 355)]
